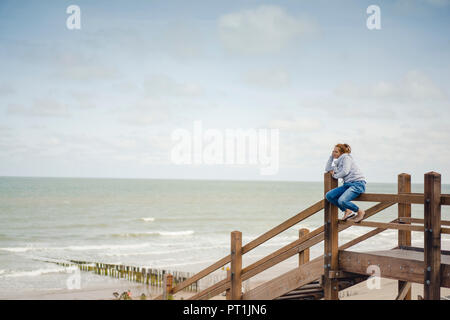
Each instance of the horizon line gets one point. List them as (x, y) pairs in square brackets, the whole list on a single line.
[(183, 179)]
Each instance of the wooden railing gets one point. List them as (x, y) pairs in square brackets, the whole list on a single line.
[(432, 199)]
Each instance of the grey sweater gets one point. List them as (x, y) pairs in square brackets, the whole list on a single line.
[(345, 168)]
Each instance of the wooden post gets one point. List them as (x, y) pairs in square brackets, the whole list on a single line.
[(303, 256), (236, 265), (432, 236), (228, 291), (404, 237), (168, 280), (331, 259)]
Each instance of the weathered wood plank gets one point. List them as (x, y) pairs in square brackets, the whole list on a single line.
[(236, 265), (384, 225), (421, 221), (212, 291), (228, 291), (287, 282), (390, 267), (331, 231), (404, 236), (445, 199), (303, 256), (432, 236), (308, 296), (416, 198), (404, 290), (397, 264)]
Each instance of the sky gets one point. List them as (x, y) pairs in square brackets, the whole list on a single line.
[(104, 100)]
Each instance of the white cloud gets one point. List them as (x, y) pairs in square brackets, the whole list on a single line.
[(182, 39), (275, 78), (267, 28), (78, 66), (297, 125), (84, 99), (414, 86), (145, 112), (6, 89), (41, 107), (163, 85)]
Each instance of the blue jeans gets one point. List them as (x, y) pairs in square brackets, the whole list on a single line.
[(341, 196)]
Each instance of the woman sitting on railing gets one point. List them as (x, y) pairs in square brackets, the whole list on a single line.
[(354, 182)]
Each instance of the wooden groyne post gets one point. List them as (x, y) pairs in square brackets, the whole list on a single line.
[(167, 285), (153, 277)]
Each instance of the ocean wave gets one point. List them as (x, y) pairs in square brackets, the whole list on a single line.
[(104, 247), (149, 219), (17, 249), (171, 265), (78, 248), (34, 273), (162, 252), (174, 233), (154, 233)]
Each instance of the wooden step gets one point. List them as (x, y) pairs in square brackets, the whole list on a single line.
[(314, 290)]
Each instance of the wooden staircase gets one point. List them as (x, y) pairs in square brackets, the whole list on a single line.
[(338, 268)]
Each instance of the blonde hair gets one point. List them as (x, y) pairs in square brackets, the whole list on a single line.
[(344, 148)]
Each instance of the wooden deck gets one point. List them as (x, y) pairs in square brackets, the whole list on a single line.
[(400, 264)]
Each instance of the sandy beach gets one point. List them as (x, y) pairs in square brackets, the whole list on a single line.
[(387, 291)]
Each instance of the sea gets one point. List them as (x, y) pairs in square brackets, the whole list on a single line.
[(175, 225)]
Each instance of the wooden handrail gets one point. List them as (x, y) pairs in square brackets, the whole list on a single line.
[(223, 285), (414, 198), (365, 236), (212, 291), (311, 239), (421, 221), (397, 226), (445, 199), (251, 245), (303, 243), (373, 224), (284, 226)]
